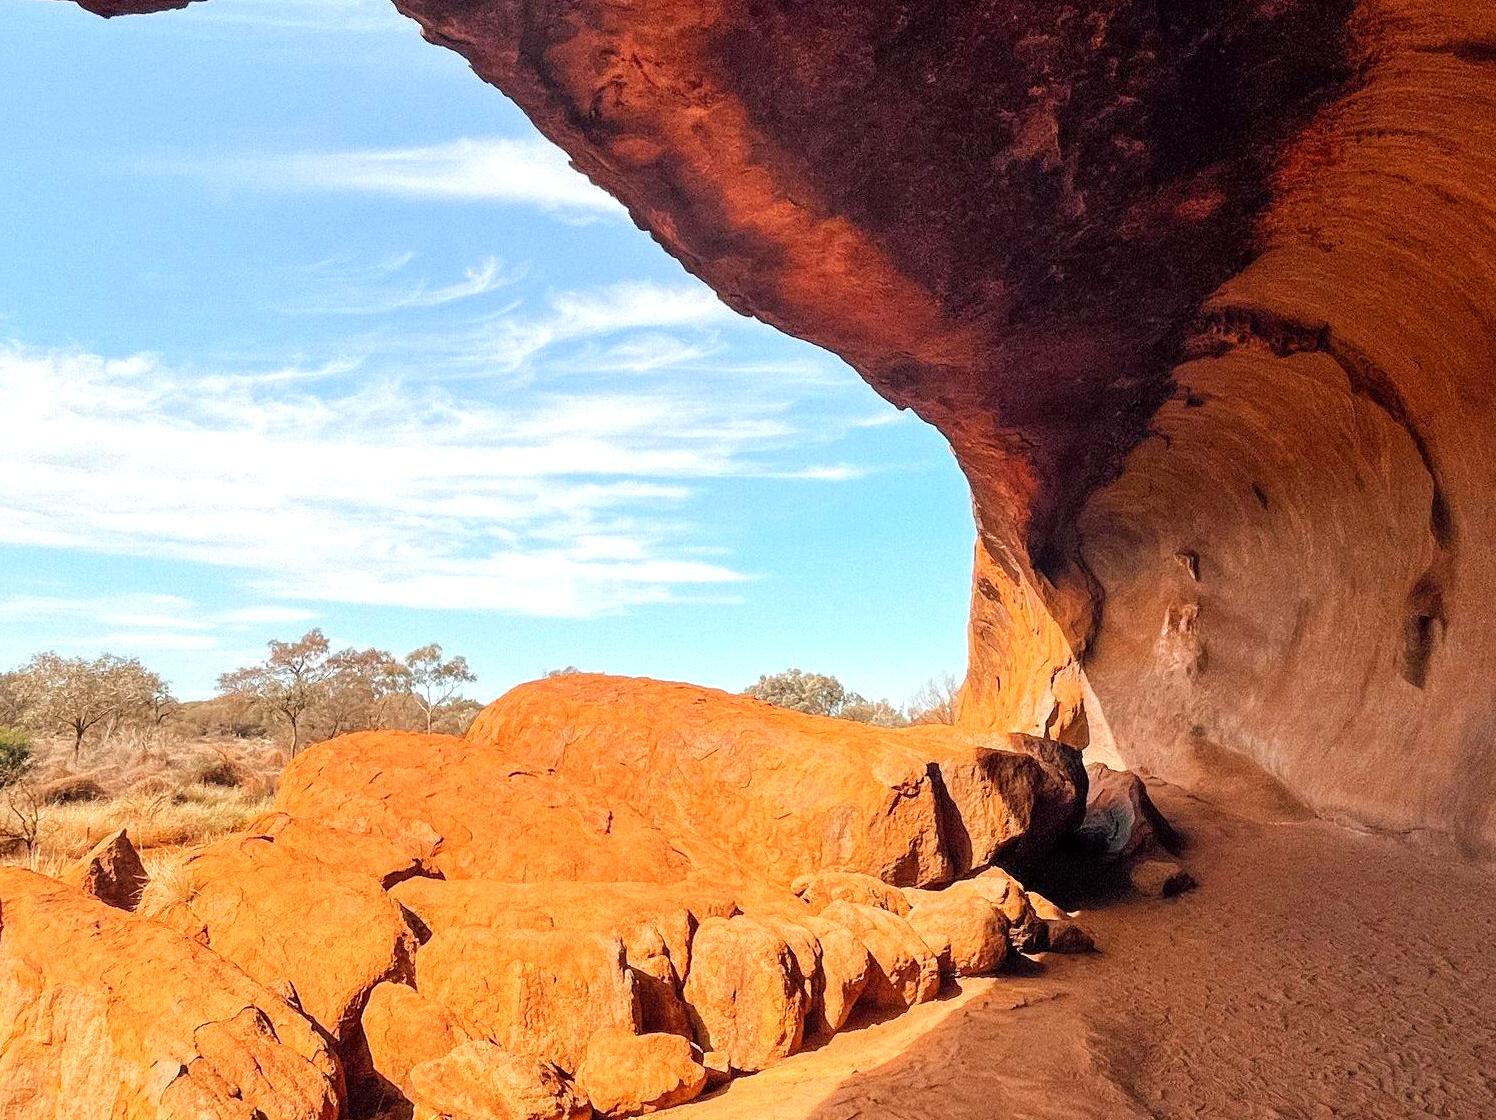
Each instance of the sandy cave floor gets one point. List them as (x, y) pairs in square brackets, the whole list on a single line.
[(1317, 972)]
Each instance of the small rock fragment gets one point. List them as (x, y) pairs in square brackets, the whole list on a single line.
[(1161, 878), (111, 872)]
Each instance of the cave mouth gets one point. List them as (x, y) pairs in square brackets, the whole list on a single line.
[(1174, 281)]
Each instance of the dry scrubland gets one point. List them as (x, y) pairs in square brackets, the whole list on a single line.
[(168, 788)]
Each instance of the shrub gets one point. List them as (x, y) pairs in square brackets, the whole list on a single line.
[(70, 790), (16, 759)]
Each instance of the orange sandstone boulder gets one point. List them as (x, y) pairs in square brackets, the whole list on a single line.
[(845, 968), (624, 1074), (111, 872), (107, 1015), (494, 818), (973, 931), (745, 992), (1026, 930), (402, 1029), (535, 993), (734, 782), (481, 1081), (825, 887), (904, 970), (1121, 822), (283, 917)]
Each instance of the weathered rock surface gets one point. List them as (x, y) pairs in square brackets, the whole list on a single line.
[(533, 993), (379, 857), (972, 929), (109, 1015), (481, 1081), (624, 1074), (807, 793), (111, 872), (746, 994), (845, 968), (825, 887), (905, 971), (283, 917), (1026, 931), (402, 1029), (416, 789)]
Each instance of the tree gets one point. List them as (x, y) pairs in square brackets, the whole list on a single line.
[(358, 686), (879, 713), (814, 693), (569, 671), (73, 695), (289, 682), (937, 702), (820, 695), (16, 759), (432, 681)]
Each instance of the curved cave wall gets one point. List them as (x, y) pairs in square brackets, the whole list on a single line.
[(1202, 294)]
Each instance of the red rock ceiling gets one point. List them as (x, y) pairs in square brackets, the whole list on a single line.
[(1200, 292)]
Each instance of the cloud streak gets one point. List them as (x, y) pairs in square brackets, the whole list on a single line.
[(503, 170)]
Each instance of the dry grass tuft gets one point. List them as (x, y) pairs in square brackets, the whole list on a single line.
[(168, 794)]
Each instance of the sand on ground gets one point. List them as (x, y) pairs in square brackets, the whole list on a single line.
[(1316, 973)]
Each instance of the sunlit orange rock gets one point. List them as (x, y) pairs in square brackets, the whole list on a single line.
[(106, 1014), (624, 1074), (745, 788), (905, 971), (540, 994), (746, 993), (487, 816), (402, 1029), (284, 917), (482, 1081)]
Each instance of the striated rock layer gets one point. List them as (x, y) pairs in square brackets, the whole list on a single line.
[(1199, 294)]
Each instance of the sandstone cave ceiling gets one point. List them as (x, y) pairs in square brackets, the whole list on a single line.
[(1201, 294)]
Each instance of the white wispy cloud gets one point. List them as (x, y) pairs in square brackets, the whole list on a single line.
[(379, 289), (647, 310), (550, 502), (526, 171)]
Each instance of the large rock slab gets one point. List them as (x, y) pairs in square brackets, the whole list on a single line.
[(108, 1015), (655, 923), (745, 787), (539, 994), (494, 819), (283, 917), (1121, 823), (387, 860)]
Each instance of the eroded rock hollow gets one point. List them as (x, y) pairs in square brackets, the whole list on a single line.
[(1200, 294)]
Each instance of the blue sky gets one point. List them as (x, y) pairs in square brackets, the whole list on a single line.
[(301, 324)]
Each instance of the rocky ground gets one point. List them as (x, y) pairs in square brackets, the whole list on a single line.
[(618, 896), (1315, 973)]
